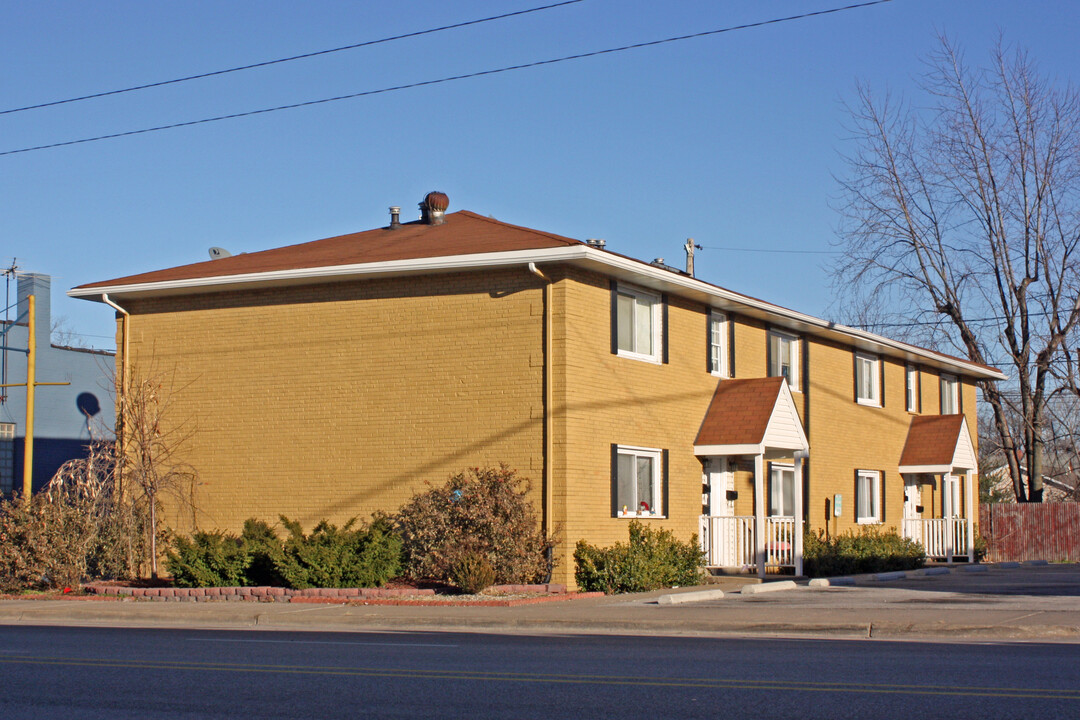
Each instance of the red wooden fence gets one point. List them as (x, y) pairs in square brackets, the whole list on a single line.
[(1031, 531)]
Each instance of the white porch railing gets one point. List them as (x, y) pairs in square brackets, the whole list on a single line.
[(728, 541), (934, 535)]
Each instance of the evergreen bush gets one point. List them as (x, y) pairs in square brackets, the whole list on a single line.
[(208, 559), (333, 557), (651, 559), (329, 556), (870, 550)]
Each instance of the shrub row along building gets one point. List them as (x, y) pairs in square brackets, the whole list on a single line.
[(334, 378)]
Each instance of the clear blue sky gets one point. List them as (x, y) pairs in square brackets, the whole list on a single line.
[(732, 139)]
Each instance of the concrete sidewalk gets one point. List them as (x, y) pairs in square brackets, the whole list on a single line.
[(1023, 604)]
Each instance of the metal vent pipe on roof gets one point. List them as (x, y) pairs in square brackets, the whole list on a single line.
[(395, 217), (433, 208)]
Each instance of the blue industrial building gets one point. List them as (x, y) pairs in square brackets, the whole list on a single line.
[(66, 417)]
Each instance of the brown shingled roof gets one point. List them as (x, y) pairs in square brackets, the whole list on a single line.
[(739, 411), (463, 233), (931, 440)]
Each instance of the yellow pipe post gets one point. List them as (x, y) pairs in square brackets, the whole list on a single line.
[(31, 360)]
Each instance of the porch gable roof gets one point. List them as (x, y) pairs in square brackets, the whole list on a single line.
[(937, 444), (747, 415)]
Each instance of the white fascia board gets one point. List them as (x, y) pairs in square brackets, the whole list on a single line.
[(747, 449), (623, 268), (919, 469), (334, 273)]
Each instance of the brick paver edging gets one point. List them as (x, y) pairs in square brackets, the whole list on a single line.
[(319, 595), (478, 602)]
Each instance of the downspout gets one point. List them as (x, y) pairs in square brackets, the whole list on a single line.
[(124, 368), (549, 442)]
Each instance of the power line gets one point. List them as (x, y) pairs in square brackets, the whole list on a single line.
[(763, 250), (452, 78), (286, 59), (928, 323)]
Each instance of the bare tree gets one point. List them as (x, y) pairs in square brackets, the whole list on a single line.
[(152, 445), (963, 218)]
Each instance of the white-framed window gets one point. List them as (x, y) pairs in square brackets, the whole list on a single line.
[(911, 375), (638, 320), (784, 357), (719, 364), (867, 379), (7, 457), (638, 482), (782, 490), (950, 395), (868, 496)]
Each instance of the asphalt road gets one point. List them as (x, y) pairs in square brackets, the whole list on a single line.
[(51, 672)]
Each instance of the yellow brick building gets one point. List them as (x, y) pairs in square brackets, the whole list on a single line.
[(335, 378)]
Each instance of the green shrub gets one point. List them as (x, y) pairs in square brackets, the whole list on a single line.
[(472, 572), (264, 547), (652, 559), (982, 546), (335, 557), (485, 510), (868, 551), (208, 559), (329, 556)]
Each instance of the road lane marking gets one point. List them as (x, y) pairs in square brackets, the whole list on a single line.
[(601, 680), (320, 642)]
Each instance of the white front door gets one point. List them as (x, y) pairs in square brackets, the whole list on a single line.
[(721, 480), (912, 513)]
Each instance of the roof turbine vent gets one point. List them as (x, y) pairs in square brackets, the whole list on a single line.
[(433, 208)]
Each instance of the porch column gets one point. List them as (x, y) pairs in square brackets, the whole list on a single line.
[(947, 512), (798, 544), (759, 513), (969, 509)]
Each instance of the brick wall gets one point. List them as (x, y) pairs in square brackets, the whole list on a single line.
[(332, 401)]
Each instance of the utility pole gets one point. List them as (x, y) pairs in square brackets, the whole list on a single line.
[(689, 247)]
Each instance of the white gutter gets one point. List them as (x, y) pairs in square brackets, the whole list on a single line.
[(600, 260)]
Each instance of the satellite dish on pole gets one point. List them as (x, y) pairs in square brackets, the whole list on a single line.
[(216, 253)]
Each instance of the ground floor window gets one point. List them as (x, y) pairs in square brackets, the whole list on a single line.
[(781, 490), (868, 496), (7, 457), (637, 480)]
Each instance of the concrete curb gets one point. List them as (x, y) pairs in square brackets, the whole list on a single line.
[(688, 597), (832, 582), (768, 587), (975, 568), (887, 576), (933, 571)]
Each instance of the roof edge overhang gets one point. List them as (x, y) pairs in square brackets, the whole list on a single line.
[(618, 266), (925, 469), (744, 449)]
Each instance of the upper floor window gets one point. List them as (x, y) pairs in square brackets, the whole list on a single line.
[(868, 496), (912, 388), (950, 395), (719, 363), (784, 357), (867, 379), (638, 482), (638, 323)]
